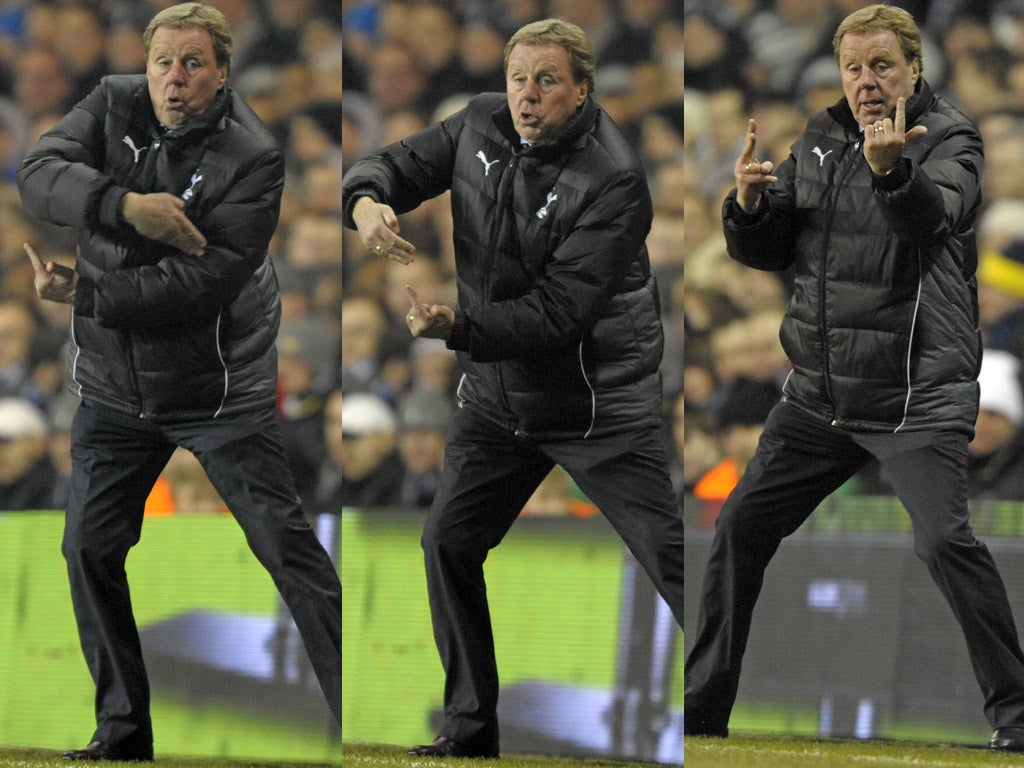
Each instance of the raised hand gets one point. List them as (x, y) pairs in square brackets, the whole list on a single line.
[(752, 175), (885, 139)]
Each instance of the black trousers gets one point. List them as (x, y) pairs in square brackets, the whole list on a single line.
[(488, 476), (116, 458), (799, 461)]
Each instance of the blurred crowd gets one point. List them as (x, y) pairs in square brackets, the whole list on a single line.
[(408, 63), (773, 60), (287, 63)]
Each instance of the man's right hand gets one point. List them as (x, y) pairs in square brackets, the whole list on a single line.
[(752, 176), (378, 229), (161, 216)]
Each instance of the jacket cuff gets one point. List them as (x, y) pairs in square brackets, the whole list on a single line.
[(734, 211), (110, 207), (895, 179), (85, 297), (459, 337)]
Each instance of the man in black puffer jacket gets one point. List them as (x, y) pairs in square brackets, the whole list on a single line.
[(557, 330), (174, 186), (874, 209)]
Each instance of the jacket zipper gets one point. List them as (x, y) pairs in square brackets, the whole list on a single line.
[(832, 196), (507, 214)]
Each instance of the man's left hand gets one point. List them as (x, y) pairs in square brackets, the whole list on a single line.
[(53, 281), (885, 139), (432, 321)]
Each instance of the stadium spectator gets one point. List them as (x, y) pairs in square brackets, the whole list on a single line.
[(434, 35), (481, 46), (80, 38), (396, 82), (17, 327), (60, 413), (910, 172), (183, 488), (700, 450), (423, 418), (1001, 298), (329, 480), (29, 354), (363, 324), (307, 366), (27, 474), (43, 85), (558, 332), (433, 366), (176, 310), (715, 52), (739, 422), (371, 468), (995, 469)]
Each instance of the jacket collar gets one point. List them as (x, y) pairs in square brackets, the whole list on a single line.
[(211, 120), (558, 140), (920, 102)]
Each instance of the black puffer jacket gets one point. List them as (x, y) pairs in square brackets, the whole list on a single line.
[(157, 332), (882, 326), (558, 326)]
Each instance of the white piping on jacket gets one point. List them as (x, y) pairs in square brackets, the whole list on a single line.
[(593, 396), (220, 357), (74, 360), (910, 345)]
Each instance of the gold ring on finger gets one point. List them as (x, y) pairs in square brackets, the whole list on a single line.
[(746, 168)]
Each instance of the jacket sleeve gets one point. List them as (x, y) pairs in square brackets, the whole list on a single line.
[(765, 239), (406, 173), (59, 179), (181, 288), (587, 269), (935, 189)]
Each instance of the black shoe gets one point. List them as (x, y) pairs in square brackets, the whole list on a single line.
[(1008, 739), (442, 746), (97, 750), (697, 725)]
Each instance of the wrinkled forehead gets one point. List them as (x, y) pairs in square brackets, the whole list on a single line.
[(533, 56)]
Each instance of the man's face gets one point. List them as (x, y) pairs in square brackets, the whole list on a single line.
[(183, 74), (541, 91), (875, 74)]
